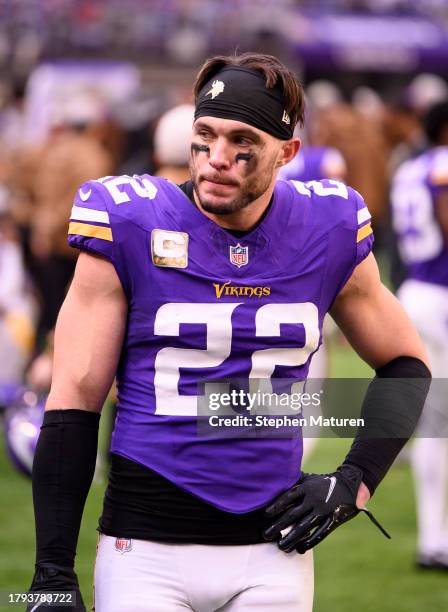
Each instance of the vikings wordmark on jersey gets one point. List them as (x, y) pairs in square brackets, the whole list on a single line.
[(204, 318)]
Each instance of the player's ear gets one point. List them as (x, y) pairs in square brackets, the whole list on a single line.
[(288, 151)]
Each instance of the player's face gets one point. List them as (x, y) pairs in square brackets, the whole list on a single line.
[(232, 164)]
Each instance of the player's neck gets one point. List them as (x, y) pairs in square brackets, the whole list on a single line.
[(245, 219)]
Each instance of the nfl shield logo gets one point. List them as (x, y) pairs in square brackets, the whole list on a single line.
[(123, 545), (239, 255)]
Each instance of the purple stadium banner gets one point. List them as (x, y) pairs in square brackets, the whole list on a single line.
[(366, 42)]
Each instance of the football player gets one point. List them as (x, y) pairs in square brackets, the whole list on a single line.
[(420, 218), (228, 276), (315, 163)]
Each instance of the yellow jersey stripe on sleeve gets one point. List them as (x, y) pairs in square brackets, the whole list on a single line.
[(363, 232), (91, 231)]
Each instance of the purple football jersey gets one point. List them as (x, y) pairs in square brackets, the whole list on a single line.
[(414, 193), (314, 163), (206, 306)]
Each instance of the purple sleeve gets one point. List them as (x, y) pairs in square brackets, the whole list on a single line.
[(89, 227), (364, 232)]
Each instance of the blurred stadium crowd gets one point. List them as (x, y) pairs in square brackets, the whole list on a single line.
[(179, 30)]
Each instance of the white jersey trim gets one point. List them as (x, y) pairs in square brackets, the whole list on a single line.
[(363, 215), (89, 214)]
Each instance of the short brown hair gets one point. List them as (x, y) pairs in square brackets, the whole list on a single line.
[(270, 67)]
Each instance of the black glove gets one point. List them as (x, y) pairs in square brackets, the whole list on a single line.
[(50, 578), (314, 507)]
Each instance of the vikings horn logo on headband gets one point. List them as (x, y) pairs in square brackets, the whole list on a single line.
[(217, 88), (286, 118)]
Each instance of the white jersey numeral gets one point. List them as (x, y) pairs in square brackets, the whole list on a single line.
[(267, 323), (218, 321), (334, 188), (141, 186), (169, 360)]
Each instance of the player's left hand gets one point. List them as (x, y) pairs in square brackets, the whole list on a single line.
[(310, 510), (51, 578)]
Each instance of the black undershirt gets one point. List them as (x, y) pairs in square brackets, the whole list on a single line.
[(141, 504)]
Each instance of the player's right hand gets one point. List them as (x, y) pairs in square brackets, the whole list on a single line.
[(50, 578)]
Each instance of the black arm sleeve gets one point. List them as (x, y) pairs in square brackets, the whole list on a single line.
[(63, 469), (391, 410)]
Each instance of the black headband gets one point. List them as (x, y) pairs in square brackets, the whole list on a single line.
[(241, 94)]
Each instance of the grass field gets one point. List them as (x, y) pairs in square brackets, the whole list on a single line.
[(356, 568)]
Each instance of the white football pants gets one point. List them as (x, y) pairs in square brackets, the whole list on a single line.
[(427, 306), (144, 576)]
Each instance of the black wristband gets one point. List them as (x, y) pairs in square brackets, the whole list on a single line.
[(391, 410), (63, 468)]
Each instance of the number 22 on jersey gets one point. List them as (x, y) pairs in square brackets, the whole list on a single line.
[(218, 321)]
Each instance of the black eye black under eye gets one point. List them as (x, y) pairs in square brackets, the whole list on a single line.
[(243, 156), (199, 148)]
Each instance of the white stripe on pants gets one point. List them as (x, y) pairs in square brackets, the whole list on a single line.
[(159, 577)]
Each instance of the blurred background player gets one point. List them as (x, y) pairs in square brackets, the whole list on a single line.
[(313, 163), (17, 305), (403, 117), (406, 139), (420, 219), (50, 173), (332, 123)]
